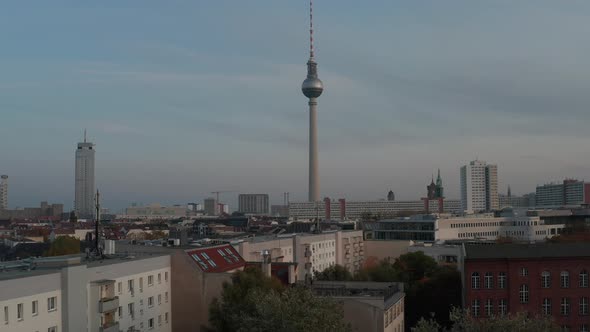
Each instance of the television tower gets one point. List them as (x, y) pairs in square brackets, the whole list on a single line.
[(312, 88)]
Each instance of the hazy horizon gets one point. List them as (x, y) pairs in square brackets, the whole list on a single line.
[(182, 99)]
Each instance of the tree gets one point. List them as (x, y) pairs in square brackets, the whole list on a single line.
[(464, 322), (435, 296), (64, 245), (414, 266), (255, 302), (334, 273)]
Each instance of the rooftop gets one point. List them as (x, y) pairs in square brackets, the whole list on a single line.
[(521, 251), (46, 265), (387, 292)]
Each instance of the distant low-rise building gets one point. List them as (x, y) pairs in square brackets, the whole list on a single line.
[(342, 209), (155, 211), (45, 210), (431, 228)]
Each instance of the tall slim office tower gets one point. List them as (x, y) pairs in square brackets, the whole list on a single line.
[(84, 202), (4, 192), (479, 187), (312, 88)]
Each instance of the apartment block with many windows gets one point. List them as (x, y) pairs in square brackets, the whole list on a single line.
[(540, 279), (69, 293)]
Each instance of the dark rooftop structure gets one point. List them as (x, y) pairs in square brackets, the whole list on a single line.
[(524, 251)]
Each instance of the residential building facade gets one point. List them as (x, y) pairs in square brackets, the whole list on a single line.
[(479, 187), (253, 204), (353, 210), (67, 294), (540, 279), (569, 193)]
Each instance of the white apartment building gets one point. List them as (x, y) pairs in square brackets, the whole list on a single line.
[(312, 252), (67, 294), (479, 187), (84, 181), (253, 204)]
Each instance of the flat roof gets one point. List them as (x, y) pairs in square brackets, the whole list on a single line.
[(522, 251), (48, 265)]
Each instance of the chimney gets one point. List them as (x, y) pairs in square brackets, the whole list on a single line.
[(266, 263)]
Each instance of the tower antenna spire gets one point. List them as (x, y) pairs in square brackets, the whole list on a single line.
[(84, 135), (311, 28)]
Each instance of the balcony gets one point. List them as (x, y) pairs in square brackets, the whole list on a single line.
[(307, 266), (106, 305), (109, 327), (307, 253)]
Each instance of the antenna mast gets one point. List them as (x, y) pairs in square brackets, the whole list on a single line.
[(311, 28), (96, 244)]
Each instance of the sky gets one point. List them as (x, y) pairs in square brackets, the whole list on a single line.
[(183, 98)]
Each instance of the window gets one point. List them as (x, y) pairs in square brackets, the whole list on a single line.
[(583, 306), (159, 299), (119, 287), (51, 302), (545, 279), (150, 301), (159, 278), (584, 328), (546, 308), (502, 280), (19, 311), (584, 279), (166, 276), (166, 296), (524, 272), (565, 279), (151, 323), (489, 309), (565, 306), (565, 328), (140, 285), (475, 280), (159, 320), (523, 294), (150, 280), (475, 308), (52, 329), (130, 286), (131, 309), (166, 317), (35, 308), (120, 312), (488, 280), (5, 314)]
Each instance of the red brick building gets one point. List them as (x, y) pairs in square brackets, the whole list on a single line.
[(540, 279)]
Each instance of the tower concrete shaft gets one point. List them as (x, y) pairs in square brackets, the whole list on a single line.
[(314, 185)]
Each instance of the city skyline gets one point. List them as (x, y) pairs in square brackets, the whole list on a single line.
[(153, 98)]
